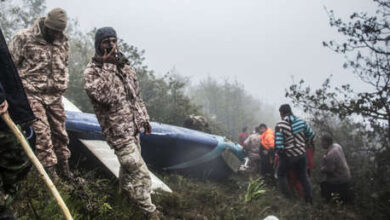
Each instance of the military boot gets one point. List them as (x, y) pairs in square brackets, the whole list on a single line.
[(6, 214), (153, 215), (63, 167), (51, 171)]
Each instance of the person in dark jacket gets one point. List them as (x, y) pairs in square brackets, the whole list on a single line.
[(14, 163), (335, 169)]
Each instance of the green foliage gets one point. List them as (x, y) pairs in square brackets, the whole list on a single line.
[(98, 198), (229, 104), (164, 96), (255, 189), (367, 54), (229, 108), (358, 145), (366, 143)]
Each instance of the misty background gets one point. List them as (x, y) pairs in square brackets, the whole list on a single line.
[(232, 62), (264, 45)]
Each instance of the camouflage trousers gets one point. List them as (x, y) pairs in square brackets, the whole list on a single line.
[(253, 165), (51, 137), (134, 176), (14, 164)]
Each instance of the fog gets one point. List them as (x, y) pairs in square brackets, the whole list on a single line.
[(264, 44)]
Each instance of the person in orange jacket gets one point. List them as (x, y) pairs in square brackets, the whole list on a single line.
[(267, 137)]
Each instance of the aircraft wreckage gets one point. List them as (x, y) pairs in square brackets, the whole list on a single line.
[(168, 148)]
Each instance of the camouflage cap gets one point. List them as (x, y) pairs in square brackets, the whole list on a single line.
[(56, 19)]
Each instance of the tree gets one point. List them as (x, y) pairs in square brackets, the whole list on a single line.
[(368, 55), (230, 105), (81, 51), (17, 15), (371, 195), (164, 96)]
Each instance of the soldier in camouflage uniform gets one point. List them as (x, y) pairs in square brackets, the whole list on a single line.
[(112, 86), (41, 55), (252, 148), (197, 122)]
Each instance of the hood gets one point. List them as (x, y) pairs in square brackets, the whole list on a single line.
[(38, 34)]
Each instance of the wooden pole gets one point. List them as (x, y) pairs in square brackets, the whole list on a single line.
[(37, 164)]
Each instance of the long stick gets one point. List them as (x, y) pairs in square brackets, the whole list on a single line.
[(37, 164)]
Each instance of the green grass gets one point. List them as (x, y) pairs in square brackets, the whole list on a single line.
[(235, 198)]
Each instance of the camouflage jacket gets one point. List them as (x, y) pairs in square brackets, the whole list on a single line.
[(43, 67), (115, 96), (252, 146)]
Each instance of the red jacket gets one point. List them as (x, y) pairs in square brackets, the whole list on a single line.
[(243, 136)]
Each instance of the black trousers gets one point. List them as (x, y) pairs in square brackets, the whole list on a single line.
[(341, 191), (266, 165), (298, 164)]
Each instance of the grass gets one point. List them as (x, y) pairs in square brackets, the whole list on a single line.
[(98, 198), (255, 189)]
